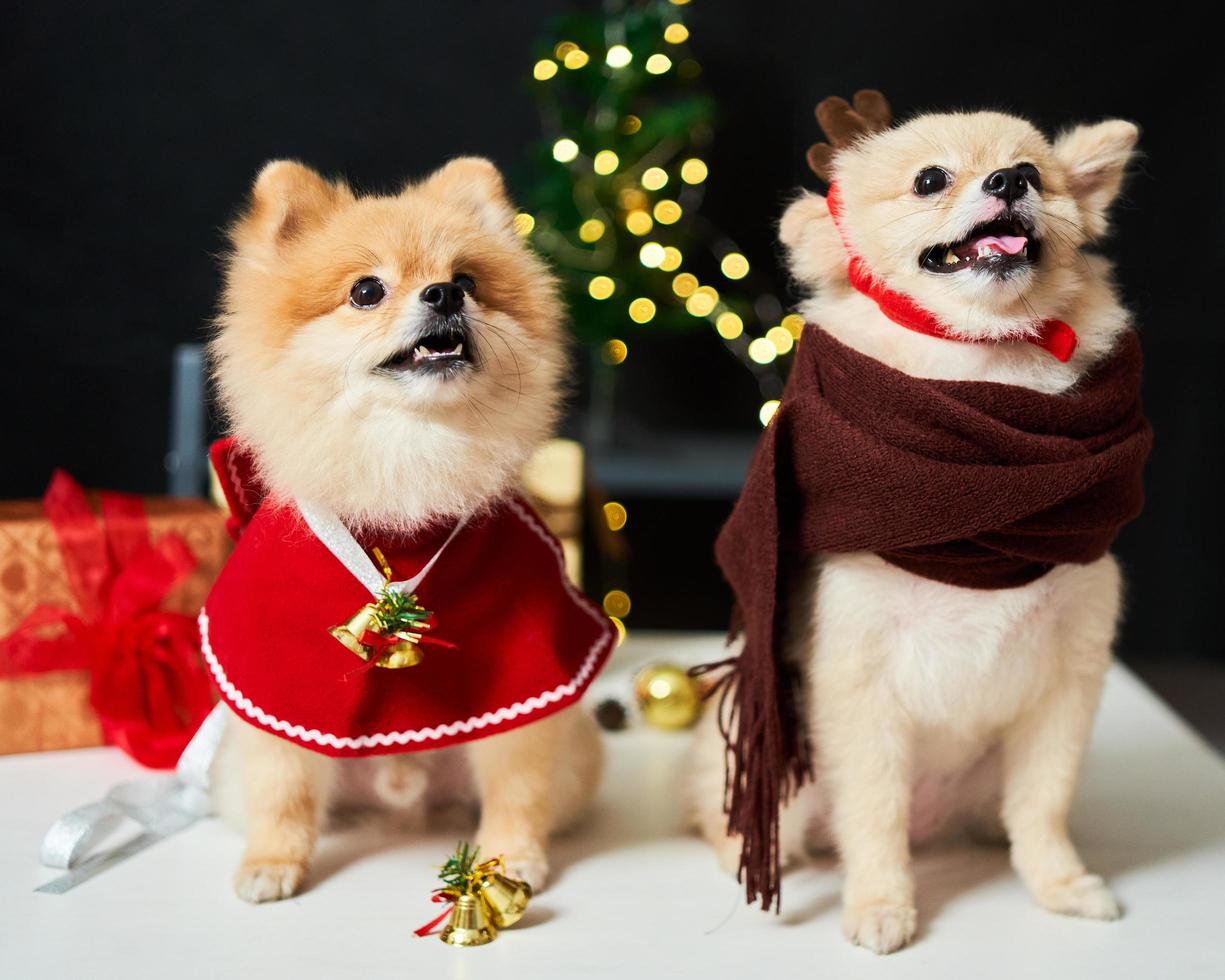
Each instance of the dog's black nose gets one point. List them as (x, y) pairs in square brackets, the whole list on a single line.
[(443, 297), (1008, 184)]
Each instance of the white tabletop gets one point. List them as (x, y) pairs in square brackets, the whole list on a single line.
[(634, 895)]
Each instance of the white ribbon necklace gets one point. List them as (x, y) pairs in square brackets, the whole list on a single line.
[(337, 538)]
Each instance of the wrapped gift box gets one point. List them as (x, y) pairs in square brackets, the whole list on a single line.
[(50, 709)]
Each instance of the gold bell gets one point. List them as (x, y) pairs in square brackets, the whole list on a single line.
[(403, 653), (468, 925), (505, 898), (361, 621)]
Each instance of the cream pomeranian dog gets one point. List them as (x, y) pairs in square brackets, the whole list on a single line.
[(395, 359), (945, 709)]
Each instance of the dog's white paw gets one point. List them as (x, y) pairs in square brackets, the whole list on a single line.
[(727, 850), (1086, 896), (533, 870), (268, 882), (527, 862), (882, 928)]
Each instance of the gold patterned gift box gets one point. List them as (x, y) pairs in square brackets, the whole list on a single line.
[(50, 709)]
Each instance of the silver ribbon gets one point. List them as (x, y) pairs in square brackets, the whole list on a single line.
[(337, 538), (161, 806)]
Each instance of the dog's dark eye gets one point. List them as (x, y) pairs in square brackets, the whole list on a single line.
[(367, 293), (1031, 175), (465, 282), (930, 181)]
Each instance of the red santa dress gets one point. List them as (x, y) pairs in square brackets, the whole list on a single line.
[(526, 642)]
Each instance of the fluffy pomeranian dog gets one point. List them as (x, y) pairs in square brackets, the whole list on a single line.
[(941, 708), (395, 359)]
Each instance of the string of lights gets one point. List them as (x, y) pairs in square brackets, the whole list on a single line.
[(621, 179)]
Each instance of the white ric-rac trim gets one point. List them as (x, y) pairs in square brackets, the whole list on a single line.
[(242, 703)]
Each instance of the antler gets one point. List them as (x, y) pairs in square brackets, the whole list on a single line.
[(845, 122)]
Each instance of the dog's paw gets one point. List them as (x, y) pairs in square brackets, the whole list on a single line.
[(881, 927), (268, 881), (1086, 896), (526, 862), (727, 850)]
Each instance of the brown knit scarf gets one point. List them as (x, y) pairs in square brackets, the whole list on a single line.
[(977, 484)]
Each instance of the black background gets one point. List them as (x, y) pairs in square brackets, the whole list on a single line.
[(132, 131)]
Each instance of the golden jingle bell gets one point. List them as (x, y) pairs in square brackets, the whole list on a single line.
[(505, 898), (667, 696), (402, 653), (469, 924)]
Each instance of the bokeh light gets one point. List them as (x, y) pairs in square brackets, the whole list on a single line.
[(605, 162), (651, 255), (781, 338), (653, 178), (544, 69), (762, 351), (601, 287), (684, 284), (523, 223), (642, 310), (734, 265), (619, 56), (657, 64), (729, 325), (565, 150), (672, 259), (638, 222), (694, 171), (667, 212), (591, 230), (616, 515), (614, 351)]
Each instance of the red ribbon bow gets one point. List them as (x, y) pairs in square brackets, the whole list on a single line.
[(147, 684)]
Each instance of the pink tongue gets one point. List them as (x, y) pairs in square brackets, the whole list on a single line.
[(1008, 244)]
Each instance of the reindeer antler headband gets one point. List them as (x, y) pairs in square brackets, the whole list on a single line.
[(845, 122)]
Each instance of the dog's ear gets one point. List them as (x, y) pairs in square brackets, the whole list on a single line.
[(287, 198), (475, 184), (797, 220), (845, 122), (1094, 159)]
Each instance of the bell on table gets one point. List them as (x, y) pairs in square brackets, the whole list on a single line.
[(348, 634), (505, 898), (468, 925)]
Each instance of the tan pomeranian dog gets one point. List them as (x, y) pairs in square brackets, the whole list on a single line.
[(393, 359), (943, 708)]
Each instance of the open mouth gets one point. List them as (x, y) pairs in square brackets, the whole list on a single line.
[(998, 247), (443, 350)]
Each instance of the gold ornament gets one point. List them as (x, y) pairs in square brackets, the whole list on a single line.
[(505, 898), (468, 925), (667, 696), (483, 899), (390, 630)]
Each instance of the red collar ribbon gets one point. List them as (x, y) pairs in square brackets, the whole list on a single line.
[(147, 684), (1053, 336)]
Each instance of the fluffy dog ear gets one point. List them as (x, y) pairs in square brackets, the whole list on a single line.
[(799, 217), (1095, 161), (814, 250), (287, 198), (474, 183)]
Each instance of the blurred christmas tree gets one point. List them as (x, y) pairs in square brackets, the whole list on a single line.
[(618, 180)]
